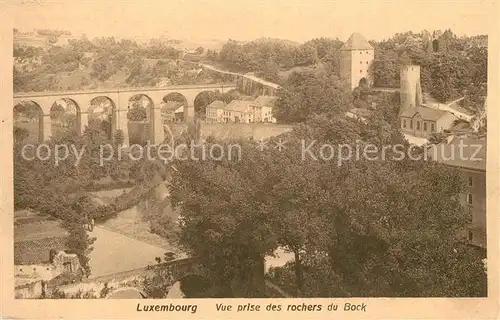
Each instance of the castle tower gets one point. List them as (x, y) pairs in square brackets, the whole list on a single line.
[(356, 59), (411, 92)]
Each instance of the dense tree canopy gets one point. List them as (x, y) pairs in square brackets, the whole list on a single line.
[(308, 93), (458, 67), (368, 227), (58, 188)]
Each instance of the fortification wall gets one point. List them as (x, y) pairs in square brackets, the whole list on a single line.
[(235, 130)]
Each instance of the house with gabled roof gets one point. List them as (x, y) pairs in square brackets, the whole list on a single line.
[(262, 108), (422, 121), (214, 111), (238, 111)]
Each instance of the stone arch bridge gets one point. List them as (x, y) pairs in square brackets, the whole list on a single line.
[(119, 100), (129, 285)]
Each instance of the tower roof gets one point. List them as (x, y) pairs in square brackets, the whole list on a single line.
[(356, 42)]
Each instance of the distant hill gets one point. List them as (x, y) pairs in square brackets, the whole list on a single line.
[(181, 43), (275, 41), (31, 41), (207, 44)]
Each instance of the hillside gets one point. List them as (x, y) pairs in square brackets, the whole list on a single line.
[(56, 60), (82, 65), (274, 41)]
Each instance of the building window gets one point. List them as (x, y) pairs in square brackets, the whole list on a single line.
[(360, 71), (411, 124), (366, 62), (469, 181), (418, 125), (361, 62), (469, 198), (34, 269), (471, 236), (366, 52), (433, 128), (425, 126), (404, 123)]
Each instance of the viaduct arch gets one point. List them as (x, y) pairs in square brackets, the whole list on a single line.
[(119, 99)]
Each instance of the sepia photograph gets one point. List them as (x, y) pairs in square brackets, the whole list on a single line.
[(244, 149)]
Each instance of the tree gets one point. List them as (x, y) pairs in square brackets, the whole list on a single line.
[(231, 95), (296, 202), (20, 134), (29, 110), (103, 67), (325, 46), (199, 50), (176, 97), (270, 71), (228, 233), (203, 99), (57, 112), (437, 138), (305, 55), (137, 113), (212, 55), (119, 137), (305, 94)]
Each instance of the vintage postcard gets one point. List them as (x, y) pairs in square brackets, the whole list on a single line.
[(244, 159)]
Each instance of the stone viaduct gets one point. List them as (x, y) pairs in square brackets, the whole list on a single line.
[(120, 102)]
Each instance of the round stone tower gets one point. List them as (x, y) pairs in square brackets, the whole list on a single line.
[(410, 91)]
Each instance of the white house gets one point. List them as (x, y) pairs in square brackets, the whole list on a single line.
[(262, 108), (214, 111)]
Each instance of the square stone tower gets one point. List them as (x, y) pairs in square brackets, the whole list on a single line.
[(356, 58)]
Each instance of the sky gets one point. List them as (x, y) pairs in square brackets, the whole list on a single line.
[(297, 20)]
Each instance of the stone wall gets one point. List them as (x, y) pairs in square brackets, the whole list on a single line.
[(99, 287), (235, 130)]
